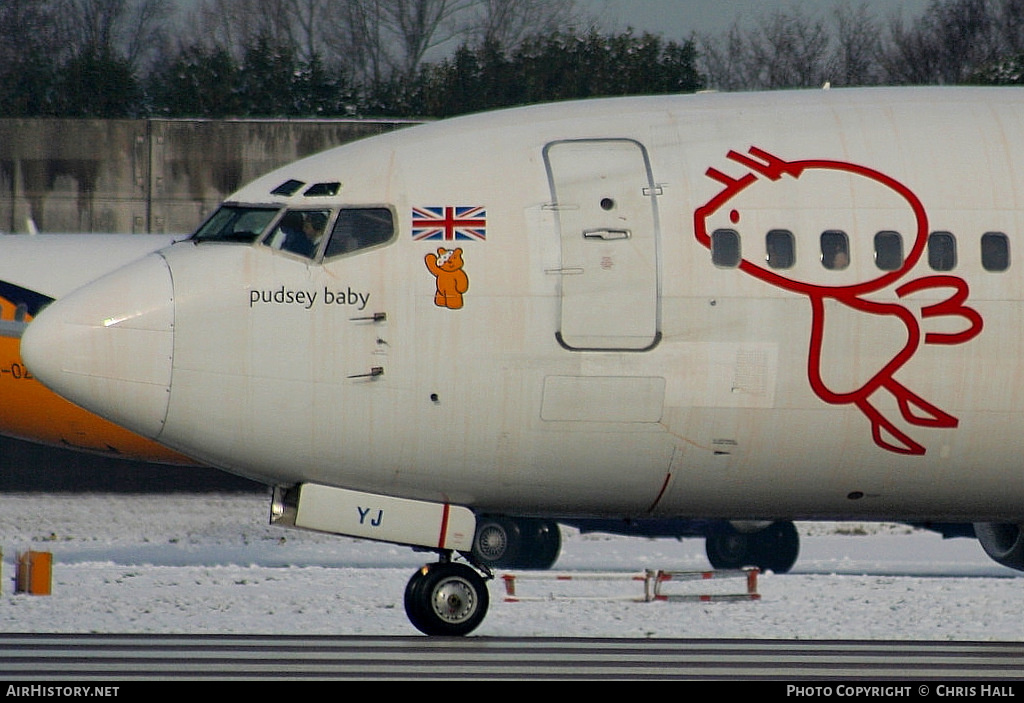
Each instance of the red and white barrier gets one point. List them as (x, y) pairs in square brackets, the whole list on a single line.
[(657, 579), (654, 584)]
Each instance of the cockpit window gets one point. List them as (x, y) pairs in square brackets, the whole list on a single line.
[(322, 189), (300, 232), (359, 228), (235, 223), (289, 187)]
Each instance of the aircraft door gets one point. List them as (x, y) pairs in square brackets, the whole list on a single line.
[(605, 199)]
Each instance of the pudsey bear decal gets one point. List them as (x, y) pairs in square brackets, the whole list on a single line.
[(452, 281)]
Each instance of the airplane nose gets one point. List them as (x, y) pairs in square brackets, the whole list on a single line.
[(108, 346)]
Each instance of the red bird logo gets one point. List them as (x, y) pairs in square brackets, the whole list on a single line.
[(914, 409)]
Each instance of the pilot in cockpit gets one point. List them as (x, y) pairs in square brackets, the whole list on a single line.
[(302, 232)]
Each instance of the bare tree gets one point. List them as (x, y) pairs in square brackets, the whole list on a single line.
[(144, 31), (967, 31), (373, 40), (90, 23), (909, 55), (308, 20), (131, 29), (238, 24), (379, 38), (420, 25), (1009, 22), (855, 59), (24, 27), (357, 39), (945, 45), (301, 25), (785, 49), (790, 51), (724, 61), (507, 22), (28, 34)]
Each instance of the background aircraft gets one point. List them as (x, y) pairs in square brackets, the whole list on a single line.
[(34, 271)]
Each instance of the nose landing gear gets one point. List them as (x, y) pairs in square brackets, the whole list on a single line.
[(446, 598)]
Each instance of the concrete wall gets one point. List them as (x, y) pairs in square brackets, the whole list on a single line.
[(136, 176)]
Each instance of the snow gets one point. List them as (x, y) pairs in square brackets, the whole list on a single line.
[(211, 563)]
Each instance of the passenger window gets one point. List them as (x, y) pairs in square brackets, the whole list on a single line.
[(781, 249), (942, 251), (995, 251), (299, 232), (888, 251), (359, 228), (725, 248), (835, 250)]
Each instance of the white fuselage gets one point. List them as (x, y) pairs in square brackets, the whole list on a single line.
[(596, 357)]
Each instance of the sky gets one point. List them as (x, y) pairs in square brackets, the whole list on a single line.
[(678, 19)]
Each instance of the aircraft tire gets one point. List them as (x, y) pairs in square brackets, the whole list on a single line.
[(542, 543), (412, 598), (445, 599), (727, 549), (776, 547), (1003, 542)]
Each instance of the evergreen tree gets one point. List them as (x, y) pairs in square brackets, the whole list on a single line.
[(97, 83), (557, 66), (28, 58), (199, 82), (28, 87), (266, 85)]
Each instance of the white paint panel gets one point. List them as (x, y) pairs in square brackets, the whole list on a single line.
[(607, 399), (386, 519), (724, 375)]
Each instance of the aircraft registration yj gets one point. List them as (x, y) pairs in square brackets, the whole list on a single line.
[(774, 306)]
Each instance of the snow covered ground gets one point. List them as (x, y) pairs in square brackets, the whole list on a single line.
[(211, 563)]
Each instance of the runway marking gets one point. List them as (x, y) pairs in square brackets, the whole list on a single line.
[(108, 657)]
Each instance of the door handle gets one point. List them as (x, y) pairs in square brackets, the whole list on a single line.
[(606, 234)]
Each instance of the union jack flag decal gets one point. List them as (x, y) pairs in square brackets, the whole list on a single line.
[(449, 224)]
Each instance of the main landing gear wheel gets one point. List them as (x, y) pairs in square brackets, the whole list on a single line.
[(516, 543), (728, 550), (542, 543), (496, 542), (775, 548), (446, 599)]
